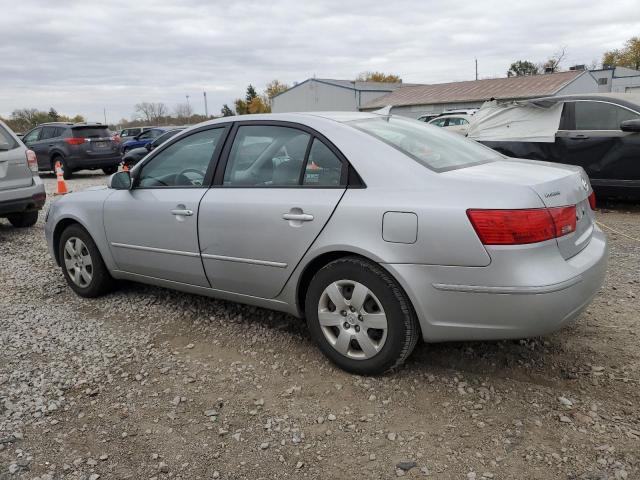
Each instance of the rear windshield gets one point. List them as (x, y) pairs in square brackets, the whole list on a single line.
[(433, 147), (6, 141), (91, 132)]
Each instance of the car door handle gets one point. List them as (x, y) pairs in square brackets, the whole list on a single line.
[(298, 217), (579, 136), (182, 212)]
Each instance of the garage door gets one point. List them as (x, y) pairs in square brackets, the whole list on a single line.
[(632, 89)]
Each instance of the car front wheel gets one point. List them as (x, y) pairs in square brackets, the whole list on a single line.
[(82, 263), (360, 317)]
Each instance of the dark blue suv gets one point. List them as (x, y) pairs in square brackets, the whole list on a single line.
[(77, 146), (144, 138)]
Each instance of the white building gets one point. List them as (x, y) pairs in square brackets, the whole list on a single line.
[(617, 79), (413, 101), (322, 94)]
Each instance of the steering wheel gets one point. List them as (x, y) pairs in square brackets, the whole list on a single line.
[(189, 180)]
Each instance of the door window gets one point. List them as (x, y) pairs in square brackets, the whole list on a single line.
[(183, 164), (323, 167), (148, 135), (267, 156), (6, 141), (601, 116), (32, 136), (440, 122), (457, 122)]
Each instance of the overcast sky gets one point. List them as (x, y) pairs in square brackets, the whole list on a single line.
[(83, 56)]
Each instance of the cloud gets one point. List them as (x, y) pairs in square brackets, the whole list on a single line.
[(81, 57)]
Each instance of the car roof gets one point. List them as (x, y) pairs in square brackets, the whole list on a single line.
[(300, 117), (631, 100)]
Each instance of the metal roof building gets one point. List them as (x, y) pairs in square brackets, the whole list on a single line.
[(323, 94), (413, 101)]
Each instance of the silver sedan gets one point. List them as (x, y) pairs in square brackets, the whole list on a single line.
[(378, 230)]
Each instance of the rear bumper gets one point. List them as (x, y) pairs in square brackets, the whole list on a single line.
[(511, 298), (24, 199), (93, 163)]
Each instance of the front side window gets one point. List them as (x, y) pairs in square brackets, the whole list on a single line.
[(32, 136), (457, 122), (434, 148), (266, 156), (183, 164), (601, 116)]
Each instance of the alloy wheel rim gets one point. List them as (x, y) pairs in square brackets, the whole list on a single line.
[(77, 261), (352, 319)]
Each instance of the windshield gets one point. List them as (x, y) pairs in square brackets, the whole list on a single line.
[(431, 146)]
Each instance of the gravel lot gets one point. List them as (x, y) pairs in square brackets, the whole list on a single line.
[(149, 383)]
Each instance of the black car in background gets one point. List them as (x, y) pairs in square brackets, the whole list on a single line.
[(133, 156), (77, 146), (599, 132)]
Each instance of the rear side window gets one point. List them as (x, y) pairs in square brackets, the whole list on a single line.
[(266, 156), (601, 116), (434, 148), (323, 167), (6, 140), (91, 132), (48, 132)]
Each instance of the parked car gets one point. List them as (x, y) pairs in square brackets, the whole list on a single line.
[(143, 139), (427, 118), (77, 146), (22, 192), (127, 134), (454, 123), (133, 156), (378, 229), (598, 132)]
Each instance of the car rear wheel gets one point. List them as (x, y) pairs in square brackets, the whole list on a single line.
[(360, 317), (110, 170), (82, 263), (22, 220)]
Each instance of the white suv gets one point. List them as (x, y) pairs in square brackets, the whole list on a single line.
[(22, 192)]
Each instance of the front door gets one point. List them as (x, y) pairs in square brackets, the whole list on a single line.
[(152, 229), (280, 186)]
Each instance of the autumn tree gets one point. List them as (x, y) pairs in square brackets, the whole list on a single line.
[(226, 111), (150, 112), (521, 68), (628, 56), (183, 110), (378, 77), (275, 87), (241, 107)]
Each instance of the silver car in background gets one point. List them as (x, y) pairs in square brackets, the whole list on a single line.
[(379, 230), (22, 192)]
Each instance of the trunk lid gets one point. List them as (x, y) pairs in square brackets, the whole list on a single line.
[(557, 185)]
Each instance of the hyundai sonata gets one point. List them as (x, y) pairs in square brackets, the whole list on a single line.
[(378, 230)]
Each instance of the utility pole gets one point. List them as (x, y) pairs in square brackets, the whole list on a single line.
[(476, 69), (104, 111), (188, 109), (206, 109)]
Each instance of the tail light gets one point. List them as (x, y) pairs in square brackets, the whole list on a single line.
[(75, 140), (592, 200), (32, 160), (518, 227)]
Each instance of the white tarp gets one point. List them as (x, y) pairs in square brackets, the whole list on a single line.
[(516, 122)]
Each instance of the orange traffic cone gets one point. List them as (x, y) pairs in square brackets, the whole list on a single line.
[(62, 186)]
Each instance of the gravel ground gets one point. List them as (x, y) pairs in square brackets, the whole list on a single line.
[(147, 383)]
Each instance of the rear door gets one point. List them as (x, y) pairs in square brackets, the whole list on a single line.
[(14, 171), (279, 187), (152, 229), (591, 138)]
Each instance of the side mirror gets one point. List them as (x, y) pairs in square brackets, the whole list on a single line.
[(630, 126), (120, 181)]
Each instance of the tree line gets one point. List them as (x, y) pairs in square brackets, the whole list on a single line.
[(24, 119), (627, 56)]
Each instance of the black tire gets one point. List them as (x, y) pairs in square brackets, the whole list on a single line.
[(403, 330), (101, 281), (23, 220), (110, 170)]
